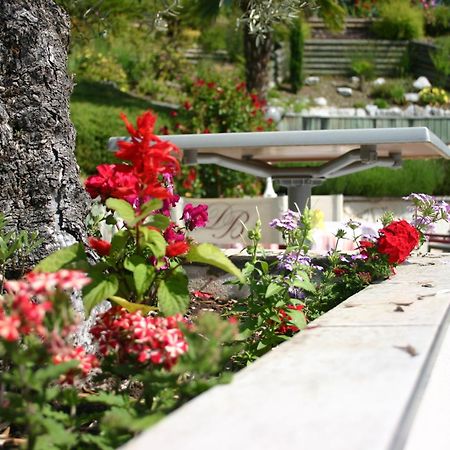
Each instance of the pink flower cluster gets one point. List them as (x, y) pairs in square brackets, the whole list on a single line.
[(29, 301), (87, 362), (35, 284), (147, 339)]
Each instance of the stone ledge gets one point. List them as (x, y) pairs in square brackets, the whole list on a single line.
[(353, 380)]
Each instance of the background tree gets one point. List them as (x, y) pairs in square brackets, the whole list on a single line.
[(41, 190), (258, 18)]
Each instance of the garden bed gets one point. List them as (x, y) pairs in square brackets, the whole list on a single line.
[(355, 377)]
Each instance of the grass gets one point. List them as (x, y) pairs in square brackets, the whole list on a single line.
[(95, 109)]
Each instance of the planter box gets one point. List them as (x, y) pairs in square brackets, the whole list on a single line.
[(370, 374)]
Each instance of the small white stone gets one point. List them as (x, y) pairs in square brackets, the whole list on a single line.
[(393, 111), (320, 101), (421, 83), (345, 91), (275, 113), (354, 80), (311, 81), (412, 97), (360, 112), (372, 110), (379, 81)]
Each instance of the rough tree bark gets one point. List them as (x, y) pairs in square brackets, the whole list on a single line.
[(39, 178), (257, 58)]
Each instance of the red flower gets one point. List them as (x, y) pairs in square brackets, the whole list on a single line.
[(285, 318), (101, 246), (397, 241), (177, 248), (187, 105), (173, 113), (113, 180)]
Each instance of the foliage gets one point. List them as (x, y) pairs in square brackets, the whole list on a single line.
[(14, 247), (441, 59), (433, 96), (392, 91), (215, 105), (437, 20), (426, 176), (399, 20), (296, 45), (141, 264), (95, 109), (99, 67), (142, 341), (287, 293)]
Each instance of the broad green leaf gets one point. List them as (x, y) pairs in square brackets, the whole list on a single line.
[(158, 221), (143, 276), (264, 266), (154, 241), (132, 307), (71, 257), (133, 261), (297, 318), (101, 288), (210, 254), (123, 208), (273, 289), (148, 208), (305, 285), (119, 242), (173, 293)]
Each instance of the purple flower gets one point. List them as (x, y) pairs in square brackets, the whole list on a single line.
[(287, 261), (288, 221), (195, 216)]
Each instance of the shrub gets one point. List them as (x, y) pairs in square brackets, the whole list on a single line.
[(296, 44), (399, 21), (392, 91), (425, 176), (381, 103), (220, 105), (96, 66), (437, 20), (441, 58), (95, 110)]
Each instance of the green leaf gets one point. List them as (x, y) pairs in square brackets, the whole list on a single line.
[(101, 288), (119, 242), (130, 306), (143, 276), (210, 254), (123, 208), (305, 284), (154, 241), (68, 257), (158, 221), (297, 318), (173, 293), (148, 208), (132, 262), (106, 398), (273, 289)]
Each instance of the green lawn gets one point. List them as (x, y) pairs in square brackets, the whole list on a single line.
[(95, 109)]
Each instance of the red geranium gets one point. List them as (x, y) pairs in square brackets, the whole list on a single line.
[(285, 318), (397, 241), (101, 246), (177, 248)]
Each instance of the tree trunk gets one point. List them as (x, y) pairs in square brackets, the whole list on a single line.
[(257, 62), (39, 178)]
